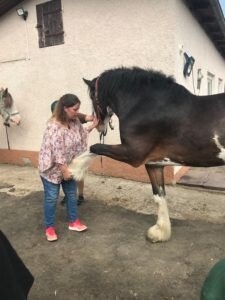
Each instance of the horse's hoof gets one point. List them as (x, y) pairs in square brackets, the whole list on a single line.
[(151, 239), (155, 234)]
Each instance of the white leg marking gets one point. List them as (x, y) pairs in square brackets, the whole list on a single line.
[(221, 155), (80, 164), (161, 231)]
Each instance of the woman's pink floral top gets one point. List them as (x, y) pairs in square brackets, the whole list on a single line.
[(59, 146)]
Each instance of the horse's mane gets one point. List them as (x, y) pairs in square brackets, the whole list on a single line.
[(136, 73), (132, 80)]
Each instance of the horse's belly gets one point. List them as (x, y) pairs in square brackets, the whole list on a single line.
[(205, 156)]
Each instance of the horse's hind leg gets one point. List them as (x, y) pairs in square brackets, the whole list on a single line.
[(161, 231)]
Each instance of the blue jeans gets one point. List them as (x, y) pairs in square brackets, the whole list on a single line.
[(51, 194)]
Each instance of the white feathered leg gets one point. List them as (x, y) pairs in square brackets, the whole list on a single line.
[(80, 164), (161, 231)]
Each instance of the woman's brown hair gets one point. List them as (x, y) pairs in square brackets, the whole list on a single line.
[(67, 100)]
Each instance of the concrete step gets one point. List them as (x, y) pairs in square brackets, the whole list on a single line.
[(210, 178)]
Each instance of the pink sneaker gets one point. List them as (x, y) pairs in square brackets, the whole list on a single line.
[(77, 226), (50, 234)]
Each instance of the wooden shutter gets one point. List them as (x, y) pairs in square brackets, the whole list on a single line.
[(50, 24)]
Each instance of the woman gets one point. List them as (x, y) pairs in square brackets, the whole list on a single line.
[(64, 139), (80, 184)]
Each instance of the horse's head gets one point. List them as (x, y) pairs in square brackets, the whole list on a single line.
[(102, 111), (8, 109)]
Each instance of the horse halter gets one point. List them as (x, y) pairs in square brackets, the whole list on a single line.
[(4, 111), (96, 100), (99, 109)]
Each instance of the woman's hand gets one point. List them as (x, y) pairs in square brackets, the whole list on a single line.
[(67, 175), (89, 118), (93, 125)]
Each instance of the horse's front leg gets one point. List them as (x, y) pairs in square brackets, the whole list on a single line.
[(79, 165), (161, 231), (120, 152)]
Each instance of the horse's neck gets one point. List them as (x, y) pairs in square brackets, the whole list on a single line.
[(121, 106), (4, 112), (1, 102)]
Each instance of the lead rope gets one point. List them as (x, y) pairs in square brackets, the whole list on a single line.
[(101, 135), (7, 136), (102, 141)]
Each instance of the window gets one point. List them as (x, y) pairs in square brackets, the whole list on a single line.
[(50, 24), (220, 85), (210, 82)]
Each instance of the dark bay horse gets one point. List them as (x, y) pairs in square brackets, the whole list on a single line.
[(8, 109), (161, 123)]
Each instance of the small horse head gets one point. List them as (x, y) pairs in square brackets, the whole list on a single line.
[(8, 109), (102, 112)]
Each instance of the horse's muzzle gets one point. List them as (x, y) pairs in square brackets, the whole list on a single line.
[(102, 128), (15, 120), (12, 123)]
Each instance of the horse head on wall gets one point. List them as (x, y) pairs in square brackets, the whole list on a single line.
[(8, 109)]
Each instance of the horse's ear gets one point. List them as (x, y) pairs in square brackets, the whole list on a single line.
[(89, 83), (5, 92)]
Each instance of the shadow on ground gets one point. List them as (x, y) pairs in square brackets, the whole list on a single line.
[(112, 260)]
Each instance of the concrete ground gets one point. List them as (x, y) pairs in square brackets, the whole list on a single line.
[(113, 260)]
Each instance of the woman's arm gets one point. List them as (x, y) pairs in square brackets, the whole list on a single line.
[(93, 125), (85, 118)]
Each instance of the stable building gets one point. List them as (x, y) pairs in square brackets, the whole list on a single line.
[(47, 47)]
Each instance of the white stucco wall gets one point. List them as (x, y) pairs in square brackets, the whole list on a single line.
[(98, 35), (195, 42)]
